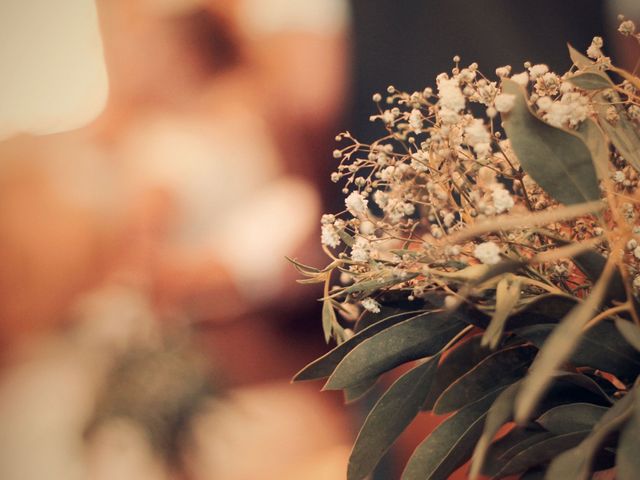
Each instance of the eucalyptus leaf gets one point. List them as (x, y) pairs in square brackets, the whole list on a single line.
[(458, 361), (507, 297), (567, 388), (328, 319), (591, 81), (630, 332), (325, 365), (540, 452), (628, 456), (533, 474), (598, 146), (592, 264), (356, 392), (601, 347), (346, 238), (500, 413), (557, 349), (579, 60), (450, 444), (558, 160), (577, 463), (418, 337), (498, 370), (511, 444), (389, 417), (623, 133), (571, 417)]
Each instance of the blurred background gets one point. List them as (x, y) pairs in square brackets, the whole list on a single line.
[(158, 160)]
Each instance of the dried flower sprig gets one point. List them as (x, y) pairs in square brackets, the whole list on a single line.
[(506, 205)]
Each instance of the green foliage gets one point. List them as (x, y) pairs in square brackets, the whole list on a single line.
[(547, 363)]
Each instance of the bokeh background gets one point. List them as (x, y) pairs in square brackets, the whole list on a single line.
[(158, 161)]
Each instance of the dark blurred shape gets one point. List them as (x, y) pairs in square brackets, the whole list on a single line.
[(159, 390), (407, 44)]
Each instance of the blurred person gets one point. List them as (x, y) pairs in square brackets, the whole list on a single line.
[(196, 222)]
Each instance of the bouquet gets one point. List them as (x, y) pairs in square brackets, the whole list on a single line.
[(490, 248)]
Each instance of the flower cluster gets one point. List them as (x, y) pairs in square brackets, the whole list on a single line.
[(445, 166)]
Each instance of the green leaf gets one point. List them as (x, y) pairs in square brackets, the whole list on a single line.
[(577, 463), (494, 372), (579, 60), (591, 81), (541, 451), (557, 349), (601, 347), (418, 337), (630, 332), (592, 264), (571, 417), (508, 446), (356, 392), (557, 159), (450, 444), (325, 365), (395, 410), (623, 133), (346, 238), (628, 457), (500, 413), (458, 361), (567, 388), (548, 308), (507, 297), (328, 319), (533, 474), (598, 146)]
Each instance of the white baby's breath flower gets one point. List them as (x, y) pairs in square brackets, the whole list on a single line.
[(381, 198), (627, 28), (370, 305), (502, 200), (415, 120), (521, 78), (504, 102), (367, 228), (594, 51), (487, 252), (450, 95), (503, 71), (329, 236), (356, 203), (360, 250), (538, 70)]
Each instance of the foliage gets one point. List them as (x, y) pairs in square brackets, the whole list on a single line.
[(504, 271)]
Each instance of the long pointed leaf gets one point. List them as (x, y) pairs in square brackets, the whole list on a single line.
[(557, 159), (557, 349), (450, 444), (500, 413), (577, 462), (628, 458), (389, 417), (456, 363), (325, 365), (418, 337), (507, 297), (498, 370)]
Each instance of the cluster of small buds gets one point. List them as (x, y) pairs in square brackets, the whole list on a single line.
[(442, 167)]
